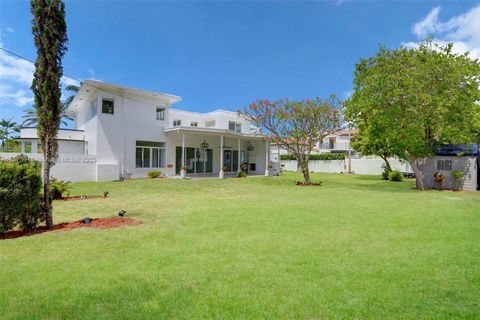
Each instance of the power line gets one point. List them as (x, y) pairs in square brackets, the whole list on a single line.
[(26, 59)]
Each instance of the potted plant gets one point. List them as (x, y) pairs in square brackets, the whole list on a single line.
[(457, 178), (439, 179)]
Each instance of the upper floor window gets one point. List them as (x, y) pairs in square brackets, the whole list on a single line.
[(108, 106), (193, 124), (177, 123), (160, 114), (210, 123), (234, 126)]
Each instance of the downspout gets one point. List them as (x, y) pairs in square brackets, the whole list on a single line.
[(124, 136)]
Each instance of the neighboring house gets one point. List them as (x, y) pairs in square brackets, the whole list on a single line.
[(127, 132), (448, 158), (338, 142)]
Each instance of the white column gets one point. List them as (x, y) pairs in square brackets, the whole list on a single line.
[(267, 156), (182, 172), (238, 147), (220, 175), (22, 147)]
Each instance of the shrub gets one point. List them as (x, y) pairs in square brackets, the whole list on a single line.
[(58, 188), (242, 174), (20, 200), (323, 156), (457, 178), (154, 174), (395, 175)]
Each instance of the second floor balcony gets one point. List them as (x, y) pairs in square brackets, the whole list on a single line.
[(334, 145)]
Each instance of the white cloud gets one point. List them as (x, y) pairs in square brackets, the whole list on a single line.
[(462, 30), (9, 29), (18, 74), (428, 24), (18, 98), (16, 69)]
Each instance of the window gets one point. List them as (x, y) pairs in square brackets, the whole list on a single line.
[(193, 124), (210, 123), (28, 147), (160, 113), (150, 154), (444, 165), (177, 123), (107, 106), (234, 126)]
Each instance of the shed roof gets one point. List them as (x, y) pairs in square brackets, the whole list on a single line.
[(457, 150)]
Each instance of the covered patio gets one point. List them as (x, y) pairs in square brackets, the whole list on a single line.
[(209, 152)]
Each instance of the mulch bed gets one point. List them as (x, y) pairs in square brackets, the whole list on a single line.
[(310, 184), (81, 198), (107, 223)]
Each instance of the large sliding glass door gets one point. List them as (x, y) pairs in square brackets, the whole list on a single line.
[(197, 160)]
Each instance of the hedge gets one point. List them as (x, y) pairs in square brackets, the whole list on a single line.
[(322, 156), (20, 197)]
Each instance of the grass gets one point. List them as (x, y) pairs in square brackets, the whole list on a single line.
[(253, 248)]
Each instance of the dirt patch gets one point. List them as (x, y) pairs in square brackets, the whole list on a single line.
[(107, 223), (310, 184)]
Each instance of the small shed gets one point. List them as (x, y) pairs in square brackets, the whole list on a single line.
[(447, 159)]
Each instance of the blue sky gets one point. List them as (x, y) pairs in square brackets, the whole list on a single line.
[(227, 54)]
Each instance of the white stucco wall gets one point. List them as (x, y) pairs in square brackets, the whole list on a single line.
[(371, 166)]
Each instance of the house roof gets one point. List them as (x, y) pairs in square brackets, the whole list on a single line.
[(88, 85), (345, 132)]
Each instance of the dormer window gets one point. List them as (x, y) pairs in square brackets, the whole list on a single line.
[(234, 126), (210, 123), (108, 106), (193, 124), (160, 113), (177, 123)]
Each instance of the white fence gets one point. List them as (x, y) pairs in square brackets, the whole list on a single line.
[(69, 167), (359, 165)]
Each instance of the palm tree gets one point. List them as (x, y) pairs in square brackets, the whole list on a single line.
[(30, 116), (7, 127)]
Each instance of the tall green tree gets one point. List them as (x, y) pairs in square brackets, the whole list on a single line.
[(296, 126), (412, 99), (50, 36)]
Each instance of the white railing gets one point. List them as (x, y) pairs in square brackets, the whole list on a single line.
[(334, 146)]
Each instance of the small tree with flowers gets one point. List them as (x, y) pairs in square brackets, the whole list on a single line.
[(296, 126)]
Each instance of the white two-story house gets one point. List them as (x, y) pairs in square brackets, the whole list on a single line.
[(127, 132)]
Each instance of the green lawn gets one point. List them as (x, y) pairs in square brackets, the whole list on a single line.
[(253, 248)]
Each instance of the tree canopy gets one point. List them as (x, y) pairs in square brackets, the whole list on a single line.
[(296, 126), (408, 100)]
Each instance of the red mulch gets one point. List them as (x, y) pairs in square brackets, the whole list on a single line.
[(81, 198), (67, 226), (310, 184)]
